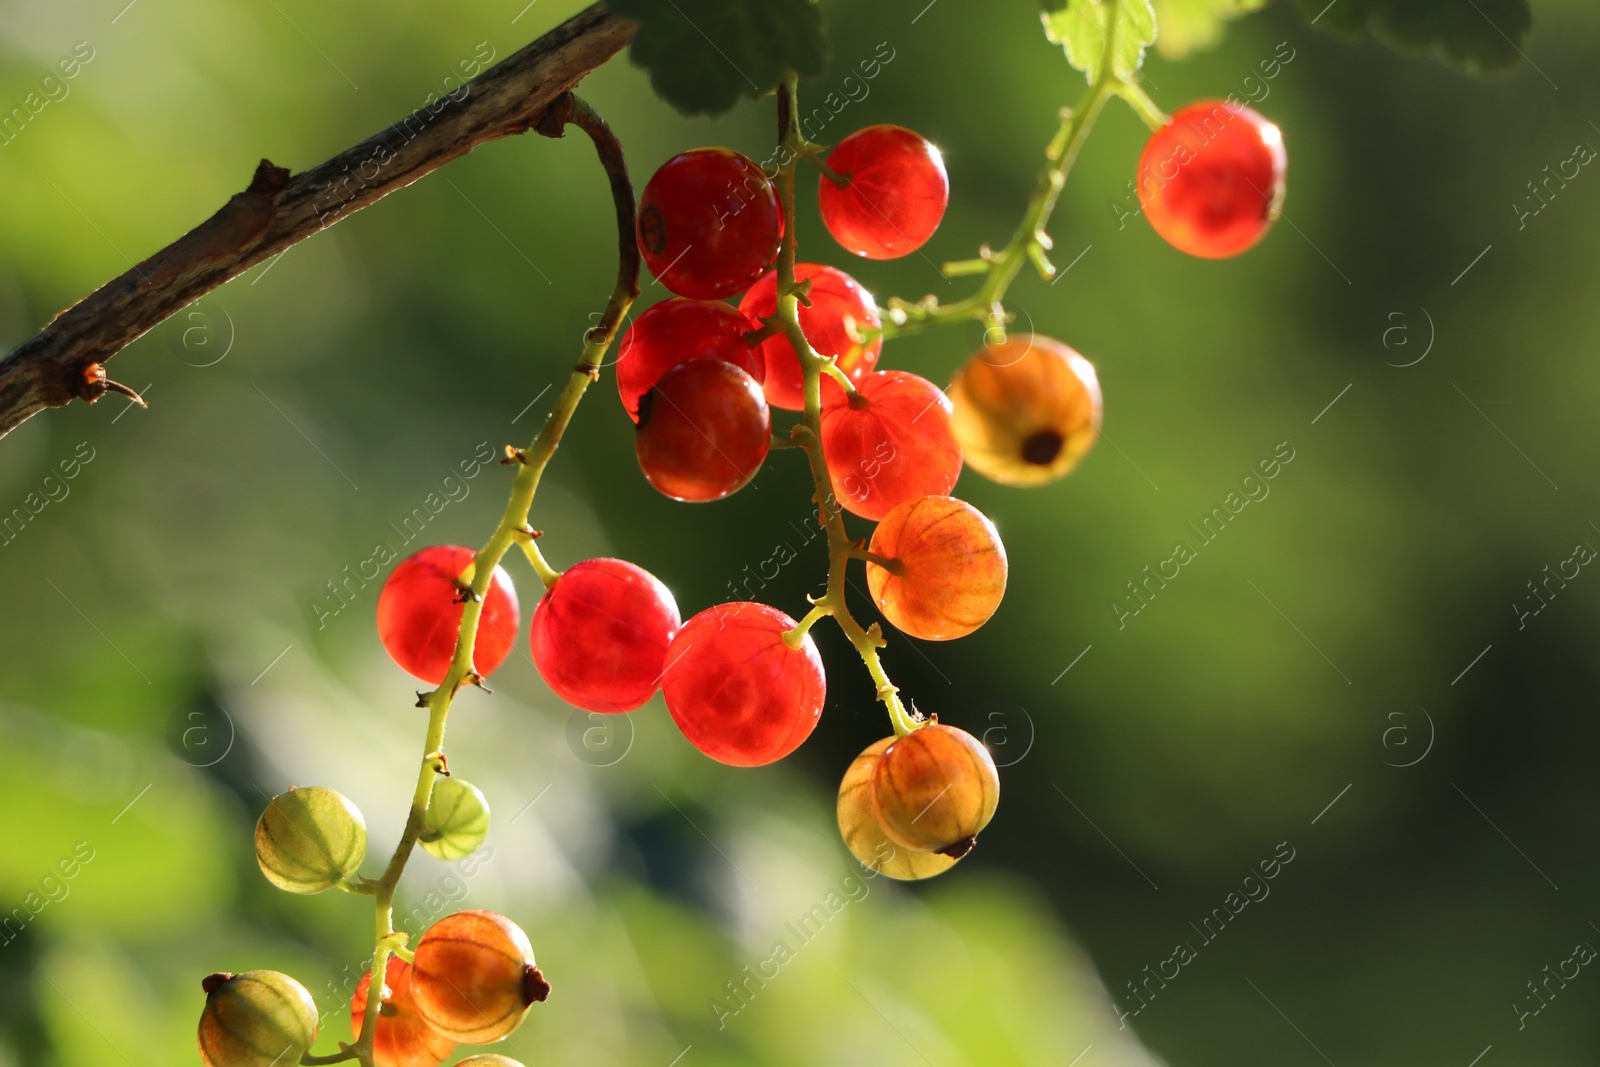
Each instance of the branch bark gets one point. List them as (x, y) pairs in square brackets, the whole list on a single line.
[(278, 209)]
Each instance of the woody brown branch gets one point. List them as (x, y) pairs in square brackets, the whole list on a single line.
[(280, 209)]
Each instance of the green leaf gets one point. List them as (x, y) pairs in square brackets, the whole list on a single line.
[(1080, 27), (703, 55), (1190, 25), (1478, 36)]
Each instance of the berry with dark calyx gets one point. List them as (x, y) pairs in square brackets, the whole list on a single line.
[(255, 1019), (895, 195), (704, 430), (948, 568), (709, 223), (840, 311), (419, 614), (934, 789), (1211, 181), (457, 819), (863, 834), (402, 1037), (310, 839), (600, 635), (1026, 411), (736, 688), (474, 978), (676, 331), (890, 443)]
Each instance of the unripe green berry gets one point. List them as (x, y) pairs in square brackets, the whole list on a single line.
[(488, 1059), (256, 1019), (457, 820), (310, 839)]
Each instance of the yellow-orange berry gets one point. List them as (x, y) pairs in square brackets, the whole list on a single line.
[(474, 978), (863, 834), (934, 789), (402, 1037), (947, 572), (1026, 411)]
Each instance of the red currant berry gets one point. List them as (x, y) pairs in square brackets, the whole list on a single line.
[(863, 834), (1212, 180), (676, 331), (948, 572), (704, 430), (255, 1019), (895, 197), (839, 308), (709, 223), (474, 977), (890, 443), (1026, 411), (600, 635), (738, 691), (419, 614), (402, 1037), (934, 789)]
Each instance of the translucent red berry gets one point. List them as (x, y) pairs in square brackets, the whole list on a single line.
[(676, 331), (403, 1037), (890, 443), (1212, 181), (474, 977), (709, 223), (1026, 411), (419, 614), (863, 833), (896, 193), (704, 430), (839, 313), (737, 690), (935, 789), (600, 635), (947, 572), (255, 1019)]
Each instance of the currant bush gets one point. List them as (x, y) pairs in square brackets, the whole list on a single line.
[(309, 840), (403, 1037), (704, 430), (457, 820), (738, 690), (676, 331), (891, 442), (255, 1019), (709, 223), (1026, 411), (420, 609), (1211, 181), (863, 833), (474, 977), (934, 789), (600, 635), (945, 569), (840, 313), (894, 195)]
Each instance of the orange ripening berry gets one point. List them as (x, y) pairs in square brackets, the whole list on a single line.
[(474, 978), (934, 789), (863, 834), (402, 1037), (255, 1019), (947, 570), (1026, 411)]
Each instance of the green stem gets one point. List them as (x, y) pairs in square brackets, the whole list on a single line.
[(809, 435), (513, 528)]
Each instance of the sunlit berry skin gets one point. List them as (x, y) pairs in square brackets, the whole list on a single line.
[(1211, 182), (489, 1059), (935, 789), (838, 305), (402, 1037), (704, 430), (473, 976), (457, 819), (676, 331), (1026, 411), (419, 615), (896, 193), (600, 635), (890, 443), (709, 223), (255, 1019), (863, 833), (738, 692), (310, 839), (949, 568)]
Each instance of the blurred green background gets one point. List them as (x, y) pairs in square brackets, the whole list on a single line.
[(1352, 674)]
